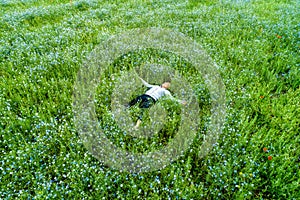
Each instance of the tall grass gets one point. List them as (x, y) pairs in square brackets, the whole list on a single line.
[(254, 43)]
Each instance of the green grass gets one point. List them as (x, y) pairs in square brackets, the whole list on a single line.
[(254, 43)]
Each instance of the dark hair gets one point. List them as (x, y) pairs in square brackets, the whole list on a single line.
[(167, 80)]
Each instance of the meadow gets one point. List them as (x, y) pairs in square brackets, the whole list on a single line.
[(255, 45)]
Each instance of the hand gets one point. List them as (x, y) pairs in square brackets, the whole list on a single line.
[(183, 102), (135, 72)]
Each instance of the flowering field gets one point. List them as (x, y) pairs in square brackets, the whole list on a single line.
[(255, 45)]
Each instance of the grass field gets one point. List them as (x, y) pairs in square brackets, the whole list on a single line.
[(256, 46)]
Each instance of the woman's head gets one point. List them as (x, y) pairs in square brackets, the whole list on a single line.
[(166, 85)]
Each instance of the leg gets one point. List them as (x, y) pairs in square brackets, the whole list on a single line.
[(134, 101), (138, 123), (145, 103)]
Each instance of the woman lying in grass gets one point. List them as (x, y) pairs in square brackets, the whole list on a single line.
[(151, 96)]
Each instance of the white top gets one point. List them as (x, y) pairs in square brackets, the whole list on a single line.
[(157, 91)]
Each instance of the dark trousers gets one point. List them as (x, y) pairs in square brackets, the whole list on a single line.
[(144, 101)]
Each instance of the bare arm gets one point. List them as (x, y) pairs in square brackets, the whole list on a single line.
[(169, 95), (144, 82)]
